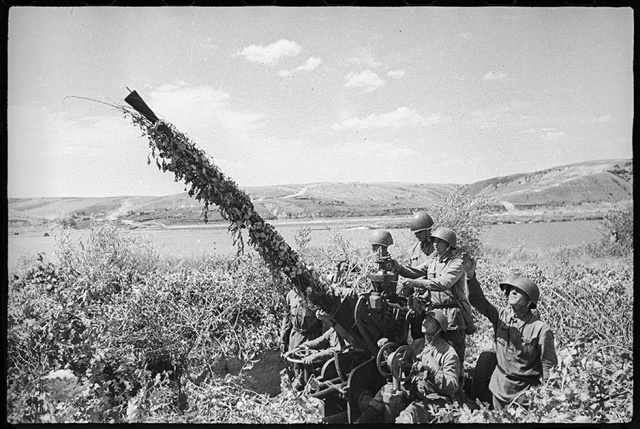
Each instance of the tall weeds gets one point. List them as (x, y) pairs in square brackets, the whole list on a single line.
[(112, 333)]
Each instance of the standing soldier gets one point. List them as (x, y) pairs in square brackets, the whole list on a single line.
[(423, 250), (524, 344), (298, 326), (442, 279)]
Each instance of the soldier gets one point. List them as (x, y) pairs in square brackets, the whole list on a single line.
[(326, 345), (298, 326), (524, 344), (434, 375), (380, 241), (421, 225), (442, 280)]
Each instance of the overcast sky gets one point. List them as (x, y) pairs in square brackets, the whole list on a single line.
[(298, 95)]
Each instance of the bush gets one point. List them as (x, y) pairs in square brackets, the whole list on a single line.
[(466, 215), (111, 333), (116, 318), (617, 227)]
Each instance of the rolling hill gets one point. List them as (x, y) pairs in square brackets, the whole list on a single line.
[(583, 187)]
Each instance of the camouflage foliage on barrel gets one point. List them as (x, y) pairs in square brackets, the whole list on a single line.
[(175, 152)]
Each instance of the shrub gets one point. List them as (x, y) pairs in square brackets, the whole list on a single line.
[(466, 215), (111, 333), (617, 227), (114, 317)]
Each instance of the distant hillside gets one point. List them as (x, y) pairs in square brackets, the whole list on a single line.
[(604, 181), (570, 187)]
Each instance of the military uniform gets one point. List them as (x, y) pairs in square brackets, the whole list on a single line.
[(524, 347), (446, 281), (435, 381), (420, 254), (326, 344), (301, 324)]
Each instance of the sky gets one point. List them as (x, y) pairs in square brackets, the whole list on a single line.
[(281, 95)]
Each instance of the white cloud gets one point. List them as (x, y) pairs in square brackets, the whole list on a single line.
[(59, 154), (177, 102), (270, 54), (494, 76), (367, 79), (396, 73), (401, 117), (311, 64)]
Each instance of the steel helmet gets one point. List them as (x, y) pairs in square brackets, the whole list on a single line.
[(525, 285), (421, 221), (439, 317), (381, 237), (446, 234)]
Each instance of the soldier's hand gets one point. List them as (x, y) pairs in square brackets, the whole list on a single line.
[(395, 265), (469, 265), (308, 360), (291, 351)]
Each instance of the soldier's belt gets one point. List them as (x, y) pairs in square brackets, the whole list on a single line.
[(531, 379), (449, 305)]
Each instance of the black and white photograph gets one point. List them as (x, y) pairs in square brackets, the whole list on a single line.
[(320, 215)]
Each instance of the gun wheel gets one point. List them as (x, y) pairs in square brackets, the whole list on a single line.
[(381, 358), (298, 356), (401, 363)]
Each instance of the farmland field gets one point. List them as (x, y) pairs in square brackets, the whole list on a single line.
[(203, 240)]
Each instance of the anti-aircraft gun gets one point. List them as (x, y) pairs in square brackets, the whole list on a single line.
[(361, 320)]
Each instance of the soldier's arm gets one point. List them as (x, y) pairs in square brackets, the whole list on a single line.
[(547, 350), (411, 272), (445, 380), (445, 280), (321, 342), (480, 302)]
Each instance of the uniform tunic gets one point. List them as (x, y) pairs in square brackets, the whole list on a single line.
[(420, 254), (446, 280), (524, 347), (443, 364), (327, 344), (436, 381), (301, 324)]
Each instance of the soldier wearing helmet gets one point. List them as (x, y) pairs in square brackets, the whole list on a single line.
[(442, 279), (421, 224), (524, 344), (300, 324), (380, 241), (434, 377)]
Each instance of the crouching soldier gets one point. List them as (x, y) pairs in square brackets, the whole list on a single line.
[(434, 375), (524, 344)]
